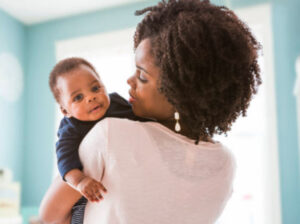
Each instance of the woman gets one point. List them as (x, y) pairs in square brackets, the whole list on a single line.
[(196, 72)]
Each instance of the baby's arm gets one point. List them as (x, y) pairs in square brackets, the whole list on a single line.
[(87, 186)]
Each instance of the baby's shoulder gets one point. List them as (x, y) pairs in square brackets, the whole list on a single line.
[(67, 125), (115, 98)]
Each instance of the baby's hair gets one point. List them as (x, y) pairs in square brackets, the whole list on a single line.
[(62, 68), (208, 62)]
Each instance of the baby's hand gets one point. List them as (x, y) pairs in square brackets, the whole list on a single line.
[(91, 189)]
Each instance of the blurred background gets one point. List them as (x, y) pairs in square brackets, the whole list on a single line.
[(34, 35)]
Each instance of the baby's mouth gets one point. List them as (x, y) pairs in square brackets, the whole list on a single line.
[(97, 108)]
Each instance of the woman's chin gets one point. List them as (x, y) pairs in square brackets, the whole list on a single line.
[(137, 111)]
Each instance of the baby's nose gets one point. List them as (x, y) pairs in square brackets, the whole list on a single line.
[(90, 99)]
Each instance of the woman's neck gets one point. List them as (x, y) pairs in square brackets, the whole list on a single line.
[(170, 124)]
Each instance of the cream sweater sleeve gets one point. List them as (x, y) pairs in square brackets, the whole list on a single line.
[(92, 150)]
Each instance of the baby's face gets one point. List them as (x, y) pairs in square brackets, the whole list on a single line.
[(82, 94)]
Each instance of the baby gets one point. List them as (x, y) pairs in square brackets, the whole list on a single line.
[(84, 101)]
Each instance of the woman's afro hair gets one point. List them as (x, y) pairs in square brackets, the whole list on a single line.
[(208, 62)]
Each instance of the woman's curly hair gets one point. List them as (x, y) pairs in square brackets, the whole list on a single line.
[(208, 61)]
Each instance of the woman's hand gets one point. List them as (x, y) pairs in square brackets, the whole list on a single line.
[(91, 189)]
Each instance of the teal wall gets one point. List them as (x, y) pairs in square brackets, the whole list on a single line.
[(36, 153), (286, 31), (12, 41)]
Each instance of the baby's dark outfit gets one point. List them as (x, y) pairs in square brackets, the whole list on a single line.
[(71, 132)]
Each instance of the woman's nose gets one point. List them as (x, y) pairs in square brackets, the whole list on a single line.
[(130, 81)]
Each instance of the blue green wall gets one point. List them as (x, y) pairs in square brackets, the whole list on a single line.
[(36, 108), (12, 41), (286, 31)]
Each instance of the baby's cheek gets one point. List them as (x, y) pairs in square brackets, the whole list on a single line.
[(106, 102), (78, 113)]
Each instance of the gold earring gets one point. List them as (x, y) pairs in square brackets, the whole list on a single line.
[(177, 125)]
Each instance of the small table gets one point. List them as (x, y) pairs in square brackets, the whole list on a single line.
[(11, 220), (29, 212)]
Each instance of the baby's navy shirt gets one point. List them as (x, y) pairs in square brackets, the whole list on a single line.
[(71, 132)]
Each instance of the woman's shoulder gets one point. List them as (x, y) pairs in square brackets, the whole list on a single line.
[(115, 126), (112, 125), (229, 158), (115, 122), (215, 152)]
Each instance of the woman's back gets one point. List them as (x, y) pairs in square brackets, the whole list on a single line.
[(154, 175)]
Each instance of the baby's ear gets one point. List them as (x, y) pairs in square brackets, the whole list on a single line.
[(64, 111)]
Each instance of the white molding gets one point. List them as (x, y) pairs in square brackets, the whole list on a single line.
[(35, 11), (94, 43), (297, 92), (260, 15)]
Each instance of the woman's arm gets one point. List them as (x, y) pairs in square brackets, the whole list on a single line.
[(57, 203)]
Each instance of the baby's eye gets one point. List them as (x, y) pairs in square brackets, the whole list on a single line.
[(78, 97), (95, 88)]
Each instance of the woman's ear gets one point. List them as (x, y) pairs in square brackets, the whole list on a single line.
[(64, 111)]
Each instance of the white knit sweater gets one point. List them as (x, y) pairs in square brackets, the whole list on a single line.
[(154, 175)]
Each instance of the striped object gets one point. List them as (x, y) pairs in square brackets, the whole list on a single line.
[(78, 211)]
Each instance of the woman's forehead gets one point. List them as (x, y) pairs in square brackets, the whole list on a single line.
[(142, 53), (144, 59)]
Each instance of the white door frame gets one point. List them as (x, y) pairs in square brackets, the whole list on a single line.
[(260, 15)]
